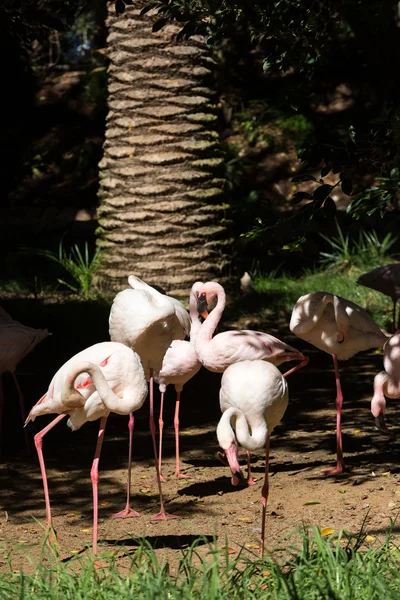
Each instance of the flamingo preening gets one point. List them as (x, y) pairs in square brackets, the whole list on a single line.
[(342, 329), (107, 377), (387, 382)]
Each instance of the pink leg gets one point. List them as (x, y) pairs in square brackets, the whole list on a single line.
[(299, 366), (264, 494), (339, 401), (94, 475), (161, 427), (39, 444), (22, 409), (178, 473), (250, 480), (128, 511), (162, 514)]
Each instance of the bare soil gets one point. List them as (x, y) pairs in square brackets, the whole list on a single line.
[(206, 503)]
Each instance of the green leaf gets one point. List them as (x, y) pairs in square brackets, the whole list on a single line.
[(119, 7), (394, 173), (352, 134), (159, 24), (299, 196), (325, 171), (330, 207), (322, 192), (347, 186), (305, 177)]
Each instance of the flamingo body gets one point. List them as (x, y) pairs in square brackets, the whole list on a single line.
[(387, 382)]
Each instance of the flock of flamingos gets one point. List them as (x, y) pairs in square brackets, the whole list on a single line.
[(148, 331)]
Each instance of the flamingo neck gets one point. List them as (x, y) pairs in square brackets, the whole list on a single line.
[(194, 319), (107, 396), (207, 329), (251, 441)]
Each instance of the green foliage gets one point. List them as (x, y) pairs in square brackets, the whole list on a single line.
[(367, 253), (334, 567), (79, 265)]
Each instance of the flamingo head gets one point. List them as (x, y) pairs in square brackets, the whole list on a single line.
[(378, 406), (206, 294), (227, 441)]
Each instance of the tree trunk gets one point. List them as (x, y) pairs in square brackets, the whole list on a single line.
[(162, 214)]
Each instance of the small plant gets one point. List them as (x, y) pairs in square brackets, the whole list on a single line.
[(80, 266), (366, 253)]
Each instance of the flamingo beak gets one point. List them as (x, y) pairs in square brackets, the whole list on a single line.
[(233, 461), (380, 422), (202, 306)]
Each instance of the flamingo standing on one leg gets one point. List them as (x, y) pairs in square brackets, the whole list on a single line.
[(217, 353), (180, 364), (16, 341), (147, 321), (385, 279), (107, 377), (342, 329), (387, 382), (253, 399)]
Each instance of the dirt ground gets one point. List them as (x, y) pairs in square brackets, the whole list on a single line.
[(206, 503)]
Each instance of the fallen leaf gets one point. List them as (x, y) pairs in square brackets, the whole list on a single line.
[(143, 477), (230, 550), (397, 492), (87, 530), (253, 546), (246, 519), (370, 538), (386, 474), (72, 515), (311, 502), (105, 503), (357, 431), (74, 551), (342, 491), (266, 573), (21, 542), (326, 531)]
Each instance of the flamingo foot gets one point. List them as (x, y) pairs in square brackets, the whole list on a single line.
[(127, 513), (180, 475), (333, 471), (163, 478), (163, 516), (251, 481)]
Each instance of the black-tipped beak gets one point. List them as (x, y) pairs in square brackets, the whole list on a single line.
[(239, 475), (202, 306), (380, 422)]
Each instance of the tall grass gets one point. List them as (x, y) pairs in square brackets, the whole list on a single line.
[(322, 568)]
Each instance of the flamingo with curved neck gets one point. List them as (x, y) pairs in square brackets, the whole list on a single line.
[(107, 377), (180, 364), (387, 382), (253, 399), (217, 353)]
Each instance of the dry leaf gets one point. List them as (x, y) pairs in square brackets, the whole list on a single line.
[(311, 502), (326, 531), (357, 431), (105, 503), (143, 477), (370, 538), (253, 546), (266, 573), (386, 474), (74, 551), (87, 530), (72, 515), (230, 550), (246, 519)]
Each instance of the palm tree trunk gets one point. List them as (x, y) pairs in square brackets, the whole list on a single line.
[(162, 214)]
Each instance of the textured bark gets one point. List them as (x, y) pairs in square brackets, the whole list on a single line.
[(162, 214)]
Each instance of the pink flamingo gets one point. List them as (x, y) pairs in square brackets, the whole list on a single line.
[(180, 364), (387, 382), (386, 280), (217, 353), (147, 321), (107, 377), (253, 399), (16, 341), (342, 329)]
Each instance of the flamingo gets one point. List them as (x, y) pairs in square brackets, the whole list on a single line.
[(16, 341), (217, 353), (385, 279), (342, 329), (253, 399), (180, 364), (107, 377), (387, 382), (147, 321)]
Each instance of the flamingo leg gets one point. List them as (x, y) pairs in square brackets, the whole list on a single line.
[(297, 367), (339, 447), (22, 410), (394, 316), (38, 439), (161, 427), (94, 475), (128, 511), (178, 473), (264, 495), (162, 515), (250, 480)]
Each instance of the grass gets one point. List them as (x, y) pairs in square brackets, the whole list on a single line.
[(333, 567)]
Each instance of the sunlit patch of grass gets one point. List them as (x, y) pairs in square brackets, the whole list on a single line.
[(337, 567)]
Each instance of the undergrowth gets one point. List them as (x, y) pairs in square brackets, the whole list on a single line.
[(333, 567)]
